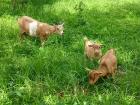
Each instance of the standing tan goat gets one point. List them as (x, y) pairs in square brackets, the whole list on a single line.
[(108, 66), (35, 28), (92, 50)]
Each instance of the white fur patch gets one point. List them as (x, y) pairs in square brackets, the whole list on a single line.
[(32, 28)]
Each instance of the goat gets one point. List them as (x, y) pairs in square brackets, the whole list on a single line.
[(108, 66), (35, 28), (92, 50)]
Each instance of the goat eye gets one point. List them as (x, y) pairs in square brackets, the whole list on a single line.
[(93, 46), (90, 77)]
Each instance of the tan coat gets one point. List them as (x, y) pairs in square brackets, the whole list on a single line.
[(108, 66), (92, 50)]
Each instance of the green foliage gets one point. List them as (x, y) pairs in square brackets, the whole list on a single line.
[(55, 74)]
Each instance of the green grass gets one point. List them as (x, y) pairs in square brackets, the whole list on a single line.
[(30, 75)]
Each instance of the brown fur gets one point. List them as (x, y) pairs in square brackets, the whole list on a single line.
[(92, 50), (43, 29), (108, 66)]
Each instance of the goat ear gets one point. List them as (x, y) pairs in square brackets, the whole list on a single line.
[(101, 44), (90, 45), (98, 74), (62, 24), (94, 78)]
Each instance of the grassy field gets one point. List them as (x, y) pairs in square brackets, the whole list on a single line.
[(55, 75)]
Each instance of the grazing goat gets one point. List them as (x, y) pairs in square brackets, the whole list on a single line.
[(35, 28), (92, 50), (108, 66)]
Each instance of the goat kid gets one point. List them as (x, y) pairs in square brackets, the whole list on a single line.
[(92, 50), (35, 28), (108, 66)]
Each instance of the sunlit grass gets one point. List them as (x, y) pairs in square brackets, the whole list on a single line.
[(55, 74)]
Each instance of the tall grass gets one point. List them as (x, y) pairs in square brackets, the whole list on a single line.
[(55, 75)]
